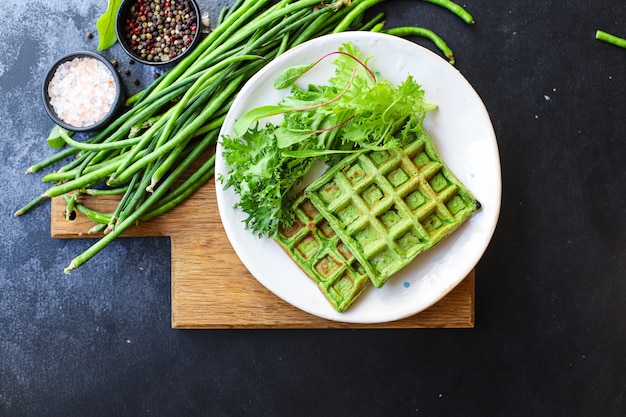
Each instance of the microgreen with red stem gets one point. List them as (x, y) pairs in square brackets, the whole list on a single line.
[(262, 112), (292, 74)]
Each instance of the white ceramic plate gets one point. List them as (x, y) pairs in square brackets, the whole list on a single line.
[(461, 130)]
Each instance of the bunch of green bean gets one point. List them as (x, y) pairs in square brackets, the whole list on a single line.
[(170, 126)]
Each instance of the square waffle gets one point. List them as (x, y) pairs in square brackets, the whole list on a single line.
[(319, 252), (389, 206)]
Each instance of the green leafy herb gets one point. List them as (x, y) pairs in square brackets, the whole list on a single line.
[(106, 25), (355, 112)]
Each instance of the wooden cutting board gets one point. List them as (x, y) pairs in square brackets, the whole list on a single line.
[(212, 289)]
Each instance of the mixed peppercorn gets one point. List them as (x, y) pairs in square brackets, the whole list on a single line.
[(160, 30)]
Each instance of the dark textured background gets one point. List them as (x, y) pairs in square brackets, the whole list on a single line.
[(550, 331)]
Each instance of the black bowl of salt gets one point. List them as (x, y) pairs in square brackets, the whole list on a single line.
[(82, 92)]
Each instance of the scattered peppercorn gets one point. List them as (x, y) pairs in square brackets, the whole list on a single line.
[(131, 62), (127, 71), (89, 35), (156, 75), (114, 62), (159, 30), (136, 81)]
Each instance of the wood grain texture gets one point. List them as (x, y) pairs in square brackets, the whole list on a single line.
[(212, 289)]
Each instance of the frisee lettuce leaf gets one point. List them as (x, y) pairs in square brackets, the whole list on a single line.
[(355, 111)]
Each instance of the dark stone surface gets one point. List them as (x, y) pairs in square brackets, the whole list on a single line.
[(550, 333)]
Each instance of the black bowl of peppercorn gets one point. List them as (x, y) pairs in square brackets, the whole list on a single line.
[(158, 32)]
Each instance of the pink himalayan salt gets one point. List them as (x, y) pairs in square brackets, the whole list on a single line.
[(82, 91)]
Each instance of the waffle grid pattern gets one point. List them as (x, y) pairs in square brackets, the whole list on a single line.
[(320, 253), (389, 206)]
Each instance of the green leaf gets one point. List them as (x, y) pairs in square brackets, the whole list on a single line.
[(55, 138), (286, 137), (254, 115), (290, 75), (106, 25)]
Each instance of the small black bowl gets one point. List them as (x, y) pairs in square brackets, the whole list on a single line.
[(126, 26), (112, 112)]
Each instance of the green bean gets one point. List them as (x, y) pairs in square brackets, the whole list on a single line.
[(354, 13), (417, 31), (60, 176), (199, 84), (123, 203), (454, 8), (101, 192), (84, 146), (189, 129), (165, 166), (31, 204), (140, 193), (70, 205), (373, 22), (266, 19), (379, 27), (96, 216), (89, 179), (230, 10), (611, 39), (58, 156), (144, 208), (149, 136), (312, 29), (182, 192), (98, 227), (222, 15)]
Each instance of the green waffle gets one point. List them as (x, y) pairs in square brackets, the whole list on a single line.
[(389, 206), (320, 253)]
